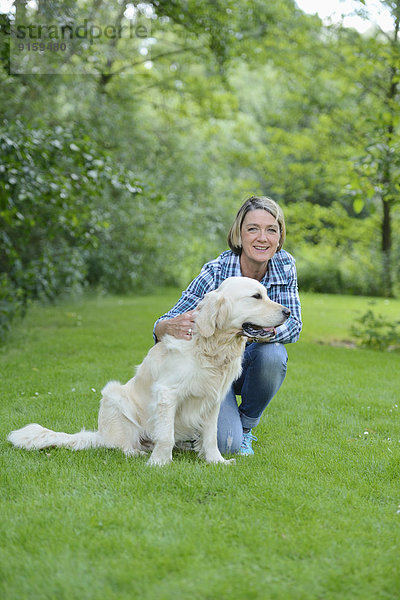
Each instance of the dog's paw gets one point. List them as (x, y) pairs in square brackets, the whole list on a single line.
[(132, 452), (220, 460), (159, 461)]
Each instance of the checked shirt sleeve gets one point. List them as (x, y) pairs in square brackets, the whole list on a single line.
[(289, 332), (197, 289)]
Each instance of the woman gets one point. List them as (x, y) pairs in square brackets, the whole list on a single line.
[(256, 239)]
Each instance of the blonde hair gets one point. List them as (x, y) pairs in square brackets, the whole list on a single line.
[(255, 203)]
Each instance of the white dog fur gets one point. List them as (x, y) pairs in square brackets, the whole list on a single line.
[(176, 392)]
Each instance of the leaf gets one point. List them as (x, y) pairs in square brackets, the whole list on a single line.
[(358, 205)]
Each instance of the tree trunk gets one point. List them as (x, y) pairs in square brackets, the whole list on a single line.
[(387, 171), (387, 249)]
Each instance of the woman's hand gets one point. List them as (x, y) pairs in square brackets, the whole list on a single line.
[(180, 327)]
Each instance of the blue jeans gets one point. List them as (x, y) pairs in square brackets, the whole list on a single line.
[(264, 369)]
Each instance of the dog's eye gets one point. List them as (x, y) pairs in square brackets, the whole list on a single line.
[(257, 296)]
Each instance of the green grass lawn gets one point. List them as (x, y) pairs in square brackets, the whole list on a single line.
[(315, 514)]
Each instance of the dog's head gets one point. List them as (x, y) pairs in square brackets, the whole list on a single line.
[(240, 304)]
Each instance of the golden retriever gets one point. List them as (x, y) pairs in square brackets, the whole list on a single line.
[(177, 390)]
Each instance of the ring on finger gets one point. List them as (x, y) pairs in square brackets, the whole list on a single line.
[(190, 331)]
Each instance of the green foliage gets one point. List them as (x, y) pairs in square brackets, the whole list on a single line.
[(330, 270), (377, 332), (319, 273), (11, 304), (335, 253), (134, 175), (50, 216), (46, 201), (128, 254)]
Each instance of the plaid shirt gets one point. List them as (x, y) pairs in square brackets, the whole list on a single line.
[(280, 281)]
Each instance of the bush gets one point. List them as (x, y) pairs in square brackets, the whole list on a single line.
[(11, 304), (328, 270), (50, 185), (131, 253), (376, 332), (336, 253), (322, 276)]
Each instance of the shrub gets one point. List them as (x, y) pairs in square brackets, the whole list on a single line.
[(335, 252), (50, 185), (376, 332), (11, 304), (319, 274)]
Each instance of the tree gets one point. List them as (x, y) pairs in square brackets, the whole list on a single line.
[(374, 62), (231, 98)]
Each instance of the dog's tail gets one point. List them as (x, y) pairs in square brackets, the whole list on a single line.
[(36, 437)]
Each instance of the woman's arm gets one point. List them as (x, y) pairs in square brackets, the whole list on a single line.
[(289, 332), (180, 318)]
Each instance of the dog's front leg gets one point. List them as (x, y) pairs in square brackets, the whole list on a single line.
[(209, 445), (164, 430)]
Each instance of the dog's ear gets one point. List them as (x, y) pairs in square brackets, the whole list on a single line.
[(212, 313)]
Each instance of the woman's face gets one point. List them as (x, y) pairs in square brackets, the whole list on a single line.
[(260, 235)]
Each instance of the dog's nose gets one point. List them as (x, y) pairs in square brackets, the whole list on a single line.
[(286, 312)]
